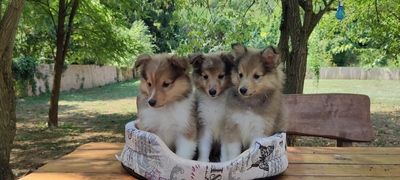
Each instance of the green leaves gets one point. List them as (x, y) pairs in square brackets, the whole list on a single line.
[(102, 33), (23, 71), (370, 31), (215, 25)]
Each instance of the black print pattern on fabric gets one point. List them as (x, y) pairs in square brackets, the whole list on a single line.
[(214, 173), (144, 154), (262, 163), (176, 170)]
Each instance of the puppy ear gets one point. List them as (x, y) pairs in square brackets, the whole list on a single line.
[(271, 56), (228, 58), (180, 62), (238, 50), (195, 58), (142, 60)]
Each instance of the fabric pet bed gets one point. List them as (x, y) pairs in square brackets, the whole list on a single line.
[(146, 156)]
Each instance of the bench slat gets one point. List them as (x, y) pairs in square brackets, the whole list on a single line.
[(345, 117)]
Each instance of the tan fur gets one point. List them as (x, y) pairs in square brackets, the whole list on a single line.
[(215, 67), (260, 73), (166, 99), (164, 68)]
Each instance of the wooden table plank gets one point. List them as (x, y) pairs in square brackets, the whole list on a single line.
[(78, 176), (83, 166), (97, 161), (345, 150), (343, 170), (101, 146), (343, 159), (106, 154), (331, 178)]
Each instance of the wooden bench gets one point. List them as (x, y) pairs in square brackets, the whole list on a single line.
[(344, 117)]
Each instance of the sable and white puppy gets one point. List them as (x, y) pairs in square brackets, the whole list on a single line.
[(166, 105), (211, 76), (254, 105)]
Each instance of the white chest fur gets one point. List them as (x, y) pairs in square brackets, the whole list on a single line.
[(168, 121), (251, 126), (211, 111)]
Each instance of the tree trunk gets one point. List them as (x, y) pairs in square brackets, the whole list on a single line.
[(8, 28), (295, 55), (63, 38)]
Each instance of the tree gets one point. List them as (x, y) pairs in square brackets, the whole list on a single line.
[(8, 28), (66, 11), (81, 31), (297, 27), (158, 16)]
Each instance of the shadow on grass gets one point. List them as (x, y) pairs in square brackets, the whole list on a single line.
[(386, 127), (35, 144)]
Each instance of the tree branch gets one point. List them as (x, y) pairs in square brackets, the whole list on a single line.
[(302, 4), (1, 7), (68, 4), (325, 3), (254, 1), (226, 1), (294, 20), (377, 12), (209, 10), (47, 8), (394, 14), (316, 17), (308, 14), (70, 24), (283, 44)]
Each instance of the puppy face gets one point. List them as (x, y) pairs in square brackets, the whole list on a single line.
[(164, 78), (211, 72), (256, 73)]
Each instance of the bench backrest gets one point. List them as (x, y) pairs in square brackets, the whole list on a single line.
[(344, 117)]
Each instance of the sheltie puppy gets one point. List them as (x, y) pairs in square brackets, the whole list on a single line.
[(166, 105), (211, 76), (254, 104)]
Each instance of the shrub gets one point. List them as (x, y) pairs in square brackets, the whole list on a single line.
[(23, 70)]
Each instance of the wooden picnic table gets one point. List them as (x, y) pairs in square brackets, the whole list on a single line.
[(97, 161)]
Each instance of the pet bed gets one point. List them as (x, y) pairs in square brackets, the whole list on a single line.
[(146, 156)]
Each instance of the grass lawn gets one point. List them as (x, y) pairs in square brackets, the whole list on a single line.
[(100, 114)]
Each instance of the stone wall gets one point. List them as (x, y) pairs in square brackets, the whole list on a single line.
[(358, 73), (88, 76), (79, 77)]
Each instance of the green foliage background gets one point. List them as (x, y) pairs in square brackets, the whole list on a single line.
[(115, 33)]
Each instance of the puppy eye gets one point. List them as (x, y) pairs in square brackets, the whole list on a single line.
[(205, 77), (220, 76), (256, 76), (149, 84), (165, 85), (240, 75)]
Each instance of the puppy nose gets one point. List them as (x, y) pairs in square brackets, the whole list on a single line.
[(152, 102), (212, 92), (243, 90)]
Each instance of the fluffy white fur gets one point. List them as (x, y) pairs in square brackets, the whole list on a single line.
[(211, 111), (171, 120), (251, 129)]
